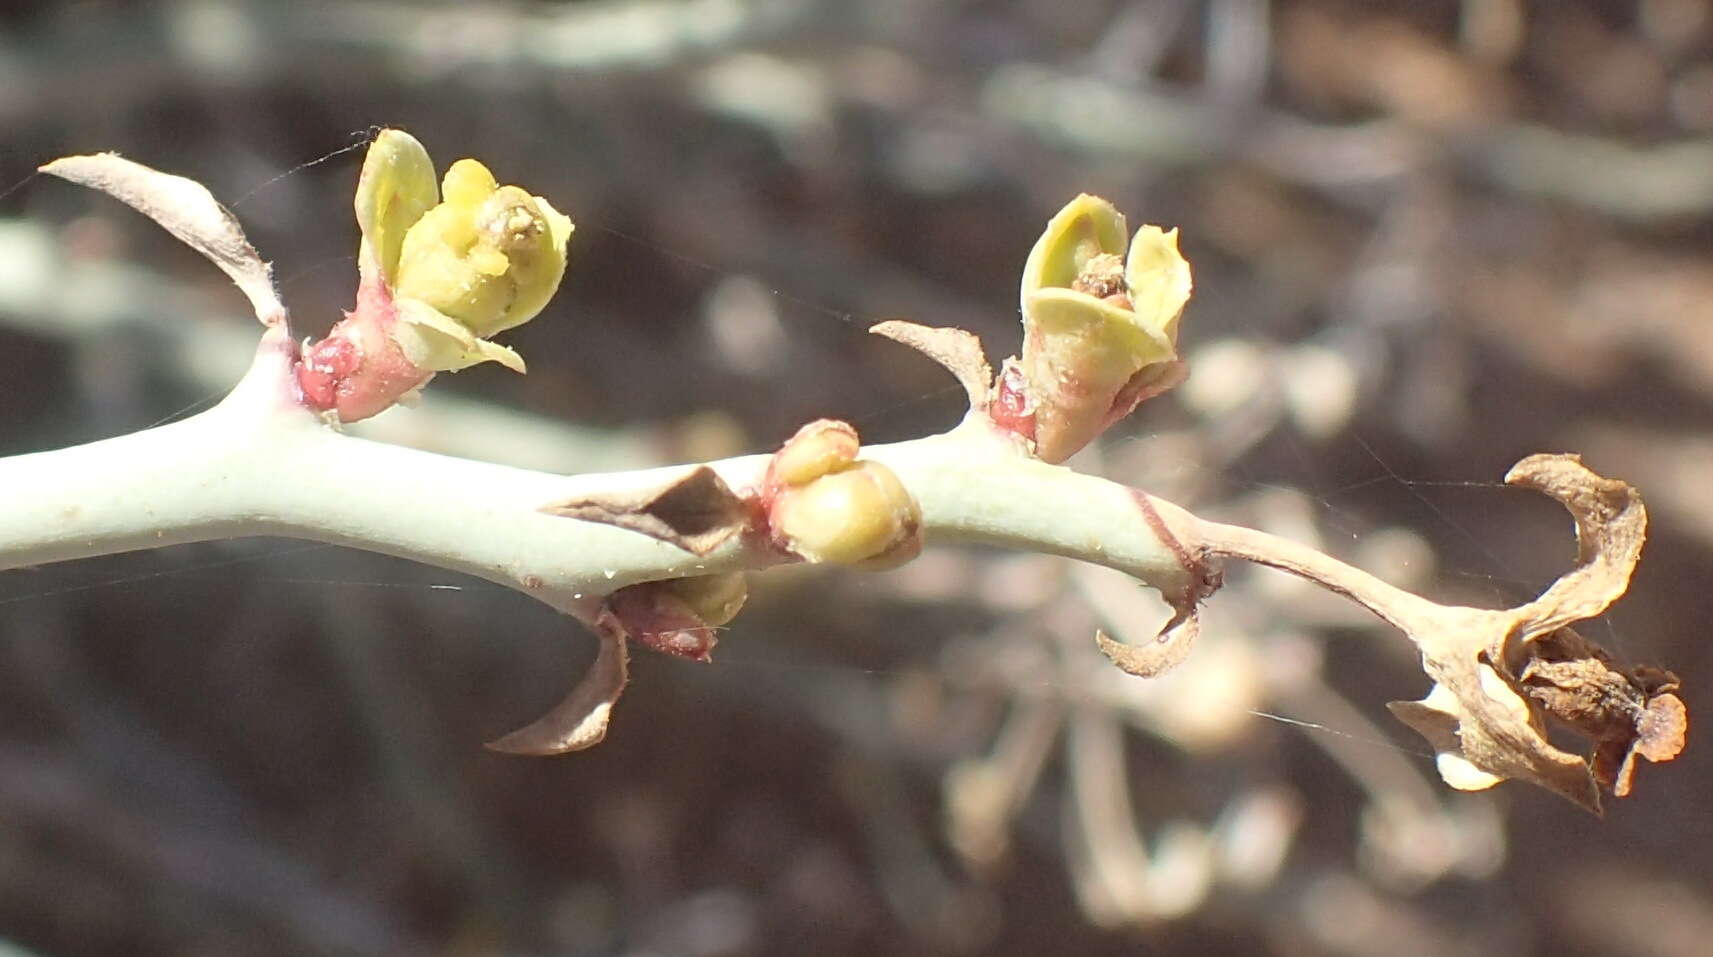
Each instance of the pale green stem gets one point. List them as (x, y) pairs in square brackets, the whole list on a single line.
[(258, 464)]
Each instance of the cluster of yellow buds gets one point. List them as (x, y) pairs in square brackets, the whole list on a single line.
[(441, 270)]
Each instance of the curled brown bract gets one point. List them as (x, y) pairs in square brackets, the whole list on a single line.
[(580, 720)]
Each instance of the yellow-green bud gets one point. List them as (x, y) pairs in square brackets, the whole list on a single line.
[(394, 190), (715, 599), (822, 446), (489, 256), (1093, 321), (860, 514)]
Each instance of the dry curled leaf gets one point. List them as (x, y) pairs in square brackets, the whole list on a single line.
[(1611, 525), (186, 209), (697, 512), (1499, 675)]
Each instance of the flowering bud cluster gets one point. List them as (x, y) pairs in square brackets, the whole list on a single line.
[(441, 270)]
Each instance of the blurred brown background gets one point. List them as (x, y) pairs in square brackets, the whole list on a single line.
[(1429, 238)]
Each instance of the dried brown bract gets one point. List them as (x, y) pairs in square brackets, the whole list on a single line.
[(696, 512), (1625, 714), (579, 721)]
